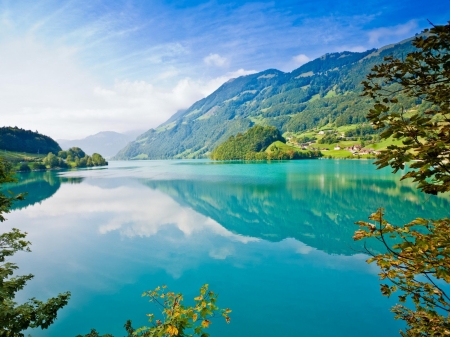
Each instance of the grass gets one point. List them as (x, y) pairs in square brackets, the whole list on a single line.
[(165, 127), (384, 144), (314, 98), (20, 156), (338, 154), (330, 94), (284, 147)]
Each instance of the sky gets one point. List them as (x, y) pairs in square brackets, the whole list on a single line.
[(70, 69)]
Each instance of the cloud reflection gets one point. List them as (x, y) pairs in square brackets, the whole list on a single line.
[(131, 210)]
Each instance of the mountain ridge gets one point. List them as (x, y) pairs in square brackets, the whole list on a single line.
[(108, 143), (321, 92)]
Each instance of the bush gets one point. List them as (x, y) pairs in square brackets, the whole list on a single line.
[(24, 167), (38, 166)]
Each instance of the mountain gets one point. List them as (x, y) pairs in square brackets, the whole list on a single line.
[(108, 143), (325, 91), (20, 140), (133, 133)]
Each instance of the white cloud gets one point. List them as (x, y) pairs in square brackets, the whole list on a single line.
[(300, 59), (398, 31), (45, 89), (145, 213), (215, 60), (295, 62)]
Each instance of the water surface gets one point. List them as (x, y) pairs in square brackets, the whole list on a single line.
[(273, 239)]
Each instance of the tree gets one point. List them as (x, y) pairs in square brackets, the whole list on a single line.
[(180, 320), (38, 166), (51, 160), (176, 318), (24, 167), (418, 263), (16, 318), (425, 75)]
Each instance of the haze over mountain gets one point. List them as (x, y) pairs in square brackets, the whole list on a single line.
[(325, 91), (106, 143)]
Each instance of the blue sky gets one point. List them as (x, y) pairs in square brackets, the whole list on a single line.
[(74, 68)]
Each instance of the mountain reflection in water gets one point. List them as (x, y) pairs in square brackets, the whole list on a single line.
[(247, 229), (318, 208)]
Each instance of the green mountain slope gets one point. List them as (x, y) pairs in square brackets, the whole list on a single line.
[(326, 90)]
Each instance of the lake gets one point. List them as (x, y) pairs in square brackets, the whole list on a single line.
[(274, 240)]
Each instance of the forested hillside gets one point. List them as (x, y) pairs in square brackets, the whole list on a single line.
[(20, 140), (323, 92), (259, 143), (249, 144)]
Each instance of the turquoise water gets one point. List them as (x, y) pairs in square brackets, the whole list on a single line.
[(273, 239)]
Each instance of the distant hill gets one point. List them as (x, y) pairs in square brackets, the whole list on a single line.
[(108, 143), (325, 91), (20, 140), (133, 134)]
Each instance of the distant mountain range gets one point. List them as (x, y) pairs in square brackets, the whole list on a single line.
[(325, 91), (106, 143)]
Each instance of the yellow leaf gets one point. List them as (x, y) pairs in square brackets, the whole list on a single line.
[(199, 298), (194, 317), (171, 330), (205, 323)]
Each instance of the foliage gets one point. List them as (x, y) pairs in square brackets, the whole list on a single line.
[(24, 167), (34, 313), (303, 139), (52, 161), (73, 152), (281, 151), (38, 166), (128, 328), (423, 75), (364, 130), (176, 318), (255, 140), (6, 177), (418, 264), (20, 140), (94, 333), (74, 157), (329, 138)]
